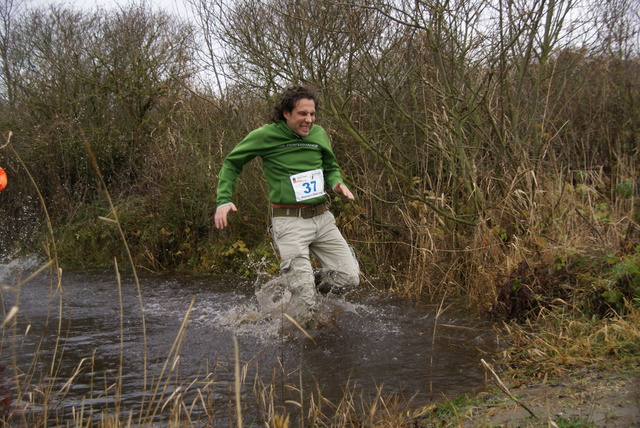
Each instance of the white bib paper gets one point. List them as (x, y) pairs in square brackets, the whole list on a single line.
[(308, 184)]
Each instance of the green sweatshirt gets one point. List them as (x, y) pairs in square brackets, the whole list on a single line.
[(283, 154)]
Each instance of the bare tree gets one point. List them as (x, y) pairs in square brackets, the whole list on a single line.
[(105, 78), (9, 10)]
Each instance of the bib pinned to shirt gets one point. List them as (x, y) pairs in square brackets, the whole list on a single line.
[(308, 184)]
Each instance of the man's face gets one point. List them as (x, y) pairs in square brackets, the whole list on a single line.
[(301, 118)]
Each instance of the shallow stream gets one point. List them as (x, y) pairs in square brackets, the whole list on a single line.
[(90, 330)]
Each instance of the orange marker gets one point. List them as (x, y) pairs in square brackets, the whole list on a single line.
[(3, 179)]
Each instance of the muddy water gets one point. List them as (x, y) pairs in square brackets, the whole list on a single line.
[(89, 331)]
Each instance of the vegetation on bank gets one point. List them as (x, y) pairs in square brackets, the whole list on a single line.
[(474, 155), (493, 149)]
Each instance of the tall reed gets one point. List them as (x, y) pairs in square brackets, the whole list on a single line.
[(41, 394)]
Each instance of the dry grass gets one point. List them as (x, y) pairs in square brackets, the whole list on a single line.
[(554, 344), (549, 250)]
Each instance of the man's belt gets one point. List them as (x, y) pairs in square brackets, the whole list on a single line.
[(308, 211)]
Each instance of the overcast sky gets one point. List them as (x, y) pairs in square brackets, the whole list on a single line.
[(173, 6)]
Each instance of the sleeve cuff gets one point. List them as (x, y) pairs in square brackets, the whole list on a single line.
[(222, 205)]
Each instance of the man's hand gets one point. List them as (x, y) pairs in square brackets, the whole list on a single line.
[(221, 215), (341, 189)]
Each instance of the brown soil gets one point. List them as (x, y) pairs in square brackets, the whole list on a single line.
[(583, 399)]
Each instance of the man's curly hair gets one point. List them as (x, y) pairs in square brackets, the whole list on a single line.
[(290, 97)]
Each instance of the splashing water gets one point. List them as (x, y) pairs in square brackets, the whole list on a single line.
[(267, 314)]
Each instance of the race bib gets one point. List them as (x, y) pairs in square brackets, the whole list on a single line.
[(308, 184)]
